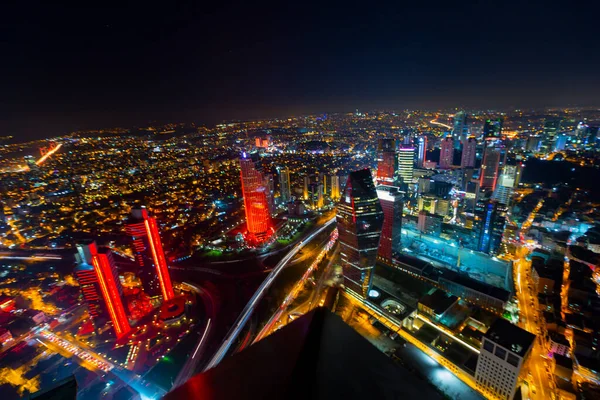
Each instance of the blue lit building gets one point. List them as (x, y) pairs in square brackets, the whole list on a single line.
[(490, 219)]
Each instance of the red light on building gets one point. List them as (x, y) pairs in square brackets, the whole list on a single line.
[(106, 277), (258, 217), (150, 255), (99, 282)]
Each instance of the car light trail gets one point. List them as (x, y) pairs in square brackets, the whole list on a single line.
[(202, 338), (435, 122), (249, 309)]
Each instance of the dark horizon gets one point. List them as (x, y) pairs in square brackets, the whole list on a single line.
[(73, 68)]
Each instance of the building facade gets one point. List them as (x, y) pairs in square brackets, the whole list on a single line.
[(285, 191), (505, 349), (149, 254), (256, 200), (387, 163), (390, 198), (494, 156), (101, 288), (492, 128), (446, 153), (469, 153), (406, 157), (490, 220), (360, 221)]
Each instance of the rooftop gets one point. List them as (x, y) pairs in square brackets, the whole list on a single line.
[(309, 358), (439, 301), (510, 336)]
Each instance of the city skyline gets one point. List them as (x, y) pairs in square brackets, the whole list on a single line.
[(413, 187), (120, 70)]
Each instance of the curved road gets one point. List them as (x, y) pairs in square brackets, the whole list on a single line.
[(190, 365), (249, 309)]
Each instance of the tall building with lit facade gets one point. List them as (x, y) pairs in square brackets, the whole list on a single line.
[(97, 276), (269, 184), (421, 151), (149, 254), (258, 215), (285, 191), (390, 198), (505, 351), (460, 130), (494, 156), (305, 181), (551, 130), (406, 166), (469, 153), (490, 220), (509, 179), (492, 128), (335, 187), (360, 221), (534, 143), (387, 162), (446, 153)]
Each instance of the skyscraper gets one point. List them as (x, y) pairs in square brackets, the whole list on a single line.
[(101, 287), (494, 156), (509, 179), (149, 254), (387, 162), (285, 191), (469, 153), (551, 130), (534, 143), (406, 157), (258, 216), (335, 187), (359, 220), (269, 184), (446, 153), (390, 198), (561, 142), (422, 151), (490, 221), (492, 128), (305, 180), (460, 132)]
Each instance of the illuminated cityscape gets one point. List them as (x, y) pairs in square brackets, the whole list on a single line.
[(241, 202)]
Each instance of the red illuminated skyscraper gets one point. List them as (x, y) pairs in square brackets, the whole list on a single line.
[(102, 291), (149, 254), (258, 217), (387, 162)]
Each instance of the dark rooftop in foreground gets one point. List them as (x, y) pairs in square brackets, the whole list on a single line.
[(510, 336), (317, 356)]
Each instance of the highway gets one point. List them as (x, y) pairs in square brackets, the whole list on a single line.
[(276, 321), (19, 256), (435, 122), (191, 363), (258, 295)]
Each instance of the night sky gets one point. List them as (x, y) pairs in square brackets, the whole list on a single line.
[(78, 67)]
